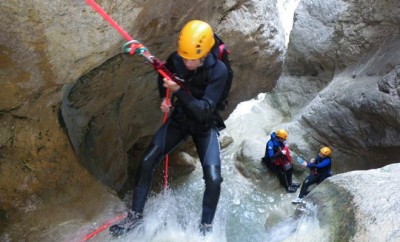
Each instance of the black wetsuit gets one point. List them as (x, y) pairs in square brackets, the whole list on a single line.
[(194, 114)]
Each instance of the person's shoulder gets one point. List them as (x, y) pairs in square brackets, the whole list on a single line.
[(210, 61), (174, 56), (218, 68), (220, 65), (175, 61)]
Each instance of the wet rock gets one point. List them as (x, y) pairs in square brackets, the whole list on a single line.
[(360, 205)]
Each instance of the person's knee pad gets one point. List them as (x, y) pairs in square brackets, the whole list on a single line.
[(213, 179), (212, 175)]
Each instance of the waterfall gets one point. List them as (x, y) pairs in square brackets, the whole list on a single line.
[(286, 10), (246, 211)]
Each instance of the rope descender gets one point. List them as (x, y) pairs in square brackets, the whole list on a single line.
[(135, 47)]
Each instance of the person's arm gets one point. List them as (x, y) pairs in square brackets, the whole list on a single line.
[(203, 108), (270, 149), (272, 154), (287, 154), (323, 164), (160, 80)]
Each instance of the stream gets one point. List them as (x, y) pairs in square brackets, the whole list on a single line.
[(248, 211)]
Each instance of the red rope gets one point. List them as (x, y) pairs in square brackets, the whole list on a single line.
[(107, 17), (156, 65), (160, 70), (104, 226), (167, 100)]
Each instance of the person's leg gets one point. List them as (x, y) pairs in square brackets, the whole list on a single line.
[(164, 141), (290, 187), (209, 153), (213, 179), (283, 179), (272, 167), (311, 179), (167, 138), (288, 174), (304, 188), (321, 178)]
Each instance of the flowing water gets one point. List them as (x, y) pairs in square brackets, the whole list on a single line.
[(247, 211)]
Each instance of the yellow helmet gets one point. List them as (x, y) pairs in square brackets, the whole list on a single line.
[(326, 151), (195, 40), (282, 133)]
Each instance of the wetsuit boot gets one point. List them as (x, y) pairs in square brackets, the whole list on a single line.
[(130, 222), (205, 229), (292, 189)]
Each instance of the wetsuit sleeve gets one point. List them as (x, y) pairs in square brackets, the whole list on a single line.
[(169, 65), (323, 164), (269, 152), (203, 108), (277, 154)]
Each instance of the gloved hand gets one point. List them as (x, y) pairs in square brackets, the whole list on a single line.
[(283, 152), (304, 164)]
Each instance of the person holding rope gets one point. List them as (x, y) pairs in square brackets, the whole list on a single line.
[(194, 113)]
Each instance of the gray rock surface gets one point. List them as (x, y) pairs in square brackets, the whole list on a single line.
[(360, 205), (341, 71), (71, 101)]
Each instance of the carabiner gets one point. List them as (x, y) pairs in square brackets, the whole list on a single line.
[(139, 49)]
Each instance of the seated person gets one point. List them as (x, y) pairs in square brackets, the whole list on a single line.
[(277, 159), (320, 169)]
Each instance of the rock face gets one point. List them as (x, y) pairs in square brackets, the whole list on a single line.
[(70, 100), (341, 71), (353, 210)]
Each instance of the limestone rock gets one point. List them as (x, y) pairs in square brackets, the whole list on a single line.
[(360, 205)]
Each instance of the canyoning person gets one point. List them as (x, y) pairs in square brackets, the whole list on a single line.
[(278, 160), (320, 169), (193, 113)]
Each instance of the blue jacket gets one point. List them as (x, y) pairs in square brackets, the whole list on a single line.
[(321, 166), (272, 147)]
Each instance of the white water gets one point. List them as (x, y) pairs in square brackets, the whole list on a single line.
[(286, 10), (244, 207)]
